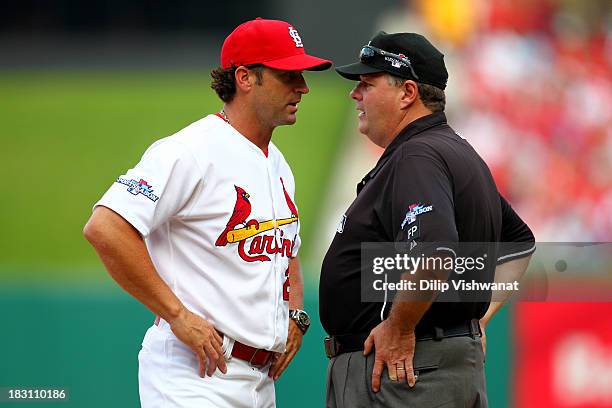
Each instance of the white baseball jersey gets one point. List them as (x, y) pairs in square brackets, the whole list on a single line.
[(220, 224)]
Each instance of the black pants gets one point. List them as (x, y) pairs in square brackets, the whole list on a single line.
[(450, 374)]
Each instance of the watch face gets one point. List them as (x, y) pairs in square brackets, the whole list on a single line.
[(304, 319)]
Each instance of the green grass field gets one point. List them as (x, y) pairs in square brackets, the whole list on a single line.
[(67, 136)]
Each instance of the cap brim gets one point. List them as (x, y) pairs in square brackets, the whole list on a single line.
[(352, 71), (299, 62)]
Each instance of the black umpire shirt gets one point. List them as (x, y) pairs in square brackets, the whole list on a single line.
[(432, 172)]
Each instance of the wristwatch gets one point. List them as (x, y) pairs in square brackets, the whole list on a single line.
[(301, 318)]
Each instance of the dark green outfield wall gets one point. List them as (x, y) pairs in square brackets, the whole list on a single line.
[(87, 339)]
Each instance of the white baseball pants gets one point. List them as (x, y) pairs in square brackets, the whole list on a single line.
[(168, 377)]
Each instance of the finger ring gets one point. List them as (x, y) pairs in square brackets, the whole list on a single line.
[(400, 368)]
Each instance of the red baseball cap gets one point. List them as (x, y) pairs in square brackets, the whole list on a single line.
[(272, 43)]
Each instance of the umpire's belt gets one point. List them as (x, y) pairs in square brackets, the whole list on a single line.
[(348, 343)]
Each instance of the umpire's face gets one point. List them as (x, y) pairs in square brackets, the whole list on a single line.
[(379, 103)]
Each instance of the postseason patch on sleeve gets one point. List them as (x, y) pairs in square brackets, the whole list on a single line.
[(413, 211), (136, 187)]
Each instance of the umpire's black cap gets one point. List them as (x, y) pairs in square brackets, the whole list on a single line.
[(406, 55)]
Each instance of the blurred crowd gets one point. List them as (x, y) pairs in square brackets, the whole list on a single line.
[(532, 91)]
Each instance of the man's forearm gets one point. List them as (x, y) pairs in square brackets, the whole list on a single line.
[(296, 288), (124, 253), (406, 315), (507, 272), (408, 306)]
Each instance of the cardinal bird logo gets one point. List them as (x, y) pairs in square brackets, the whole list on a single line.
[(242, 210), (253, 230)]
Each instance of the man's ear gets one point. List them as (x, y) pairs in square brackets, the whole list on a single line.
[(410, 93), (245, 78)]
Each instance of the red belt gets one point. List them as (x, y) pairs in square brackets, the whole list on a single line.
[(255, 357)]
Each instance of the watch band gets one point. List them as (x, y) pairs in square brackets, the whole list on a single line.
[(301, 318)]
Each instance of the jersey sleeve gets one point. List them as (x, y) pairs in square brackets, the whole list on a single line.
[(162, 185), (422, 209), (517, 240)]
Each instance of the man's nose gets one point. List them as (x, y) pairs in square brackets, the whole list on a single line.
[(302, 86)]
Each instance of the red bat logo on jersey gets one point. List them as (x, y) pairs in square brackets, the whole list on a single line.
[(252, 228)]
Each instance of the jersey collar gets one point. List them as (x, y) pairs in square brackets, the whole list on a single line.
[(221, 115)]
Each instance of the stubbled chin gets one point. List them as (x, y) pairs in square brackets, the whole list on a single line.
[(291, 119), (362, 127)]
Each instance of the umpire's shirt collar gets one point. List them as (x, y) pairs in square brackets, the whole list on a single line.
[(413, 128)]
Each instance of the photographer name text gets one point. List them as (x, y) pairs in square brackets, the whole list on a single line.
[(442, 286)]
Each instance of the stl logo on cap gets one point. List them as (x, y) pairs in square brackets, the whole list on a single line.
[(296, 37)]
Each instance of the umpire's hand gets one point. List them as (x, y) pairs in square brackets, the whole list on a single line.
[(394, 348), (202, 337)]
